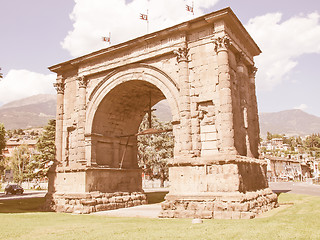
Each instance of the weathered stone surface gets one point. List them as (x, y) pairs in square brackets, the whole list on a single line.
[(238, 206), (102, 97), (65, 202)]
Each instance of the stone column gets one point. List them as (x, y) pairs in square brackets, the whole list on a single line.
[(59, 86), (185, 115), (244, 101), (91, 141), (82, 119), (225, 96), (253, 112)]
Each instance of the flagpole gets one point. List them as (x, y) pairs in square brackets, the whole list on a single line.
[(193, 7), (147, 21)]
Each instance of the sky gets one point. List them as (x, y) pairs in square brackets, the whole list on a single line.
[(36, 34)]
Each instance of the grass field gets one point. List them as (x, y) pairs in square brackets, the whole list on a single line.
[(298, 219)]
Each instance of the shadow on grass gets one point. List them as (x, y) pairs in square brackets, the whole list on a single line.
[(156, 197), (36, 204), (22, 205)]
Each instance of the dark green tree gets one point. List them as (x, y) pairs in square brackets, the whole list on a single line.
[(269, 136), (313, 141), (2, 147), (46, 148), (2, 139), (154, 150)]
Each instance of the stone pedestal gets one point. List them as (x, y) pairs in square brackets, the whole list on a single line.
[(84, 203), (232, 187), (94, 189)]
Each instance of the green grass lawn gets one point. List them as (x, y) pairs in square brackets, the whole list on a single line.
[(22, 220)]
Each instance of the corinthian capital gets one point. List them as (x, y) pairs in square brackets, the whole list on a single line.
[(59, 86), (240, 57), (181, 54), (252, 71), (83, 81), (221, 43)]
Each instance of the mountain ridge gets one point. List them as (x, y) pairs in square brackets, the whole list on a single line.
[(289, 122), (35, 111), (29, 100)]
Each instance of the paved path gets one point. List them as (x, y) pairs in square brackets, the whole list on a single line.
[(144, 211), (295, 187)]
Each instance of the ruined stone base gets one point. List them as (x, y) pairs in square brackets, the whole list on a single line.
[(219, 205), (85, 203)]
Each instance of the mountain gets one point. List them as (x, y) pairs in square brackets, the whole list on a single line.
[(28, 112), (35, 111), (289, 122)]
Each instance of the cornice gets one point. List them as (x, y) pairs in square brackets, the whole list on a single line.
[(226, 14)]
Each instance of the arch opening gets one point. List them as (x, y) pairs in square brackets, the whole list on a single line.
[(117, 120)]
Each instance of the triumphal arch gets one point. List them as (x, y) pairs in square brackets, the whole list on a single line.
[(205, 70)]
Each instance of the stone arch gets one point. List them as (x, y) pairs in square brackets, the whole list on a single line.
[(134, 72), (116, 108), (208, 169)]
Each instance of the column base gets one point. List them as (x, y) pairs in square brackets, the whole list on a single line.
[(219, 186), (234, 205), (85, 203)]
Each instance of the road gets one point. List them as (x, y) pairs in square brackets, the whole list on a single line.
[(295, 187), (277, 187), (26, 194)]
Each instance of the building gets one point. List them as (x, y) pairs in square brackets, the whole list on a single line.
[(286, 169), (13, 143)]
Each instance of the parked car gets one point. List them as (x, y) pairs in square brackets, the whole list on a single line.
[(13, 189)]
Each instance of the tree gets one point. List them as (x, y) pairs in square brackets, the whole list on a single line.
[(2, 147), (269, 136), (313, 141), (154, 150), (46, 148), (2, 139), (19, 131), (22, 163)]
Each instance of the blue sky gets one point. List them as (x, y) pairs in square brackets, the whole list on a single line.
[(36, 34)]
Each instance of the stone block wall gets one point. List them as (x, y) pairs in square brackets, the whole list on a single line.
[(85, 203), (220, 205)]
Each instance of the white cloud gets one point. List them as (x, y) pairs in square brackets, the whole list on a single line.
[(96, 18), (22, 83), (302, 107), (282, 43)]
